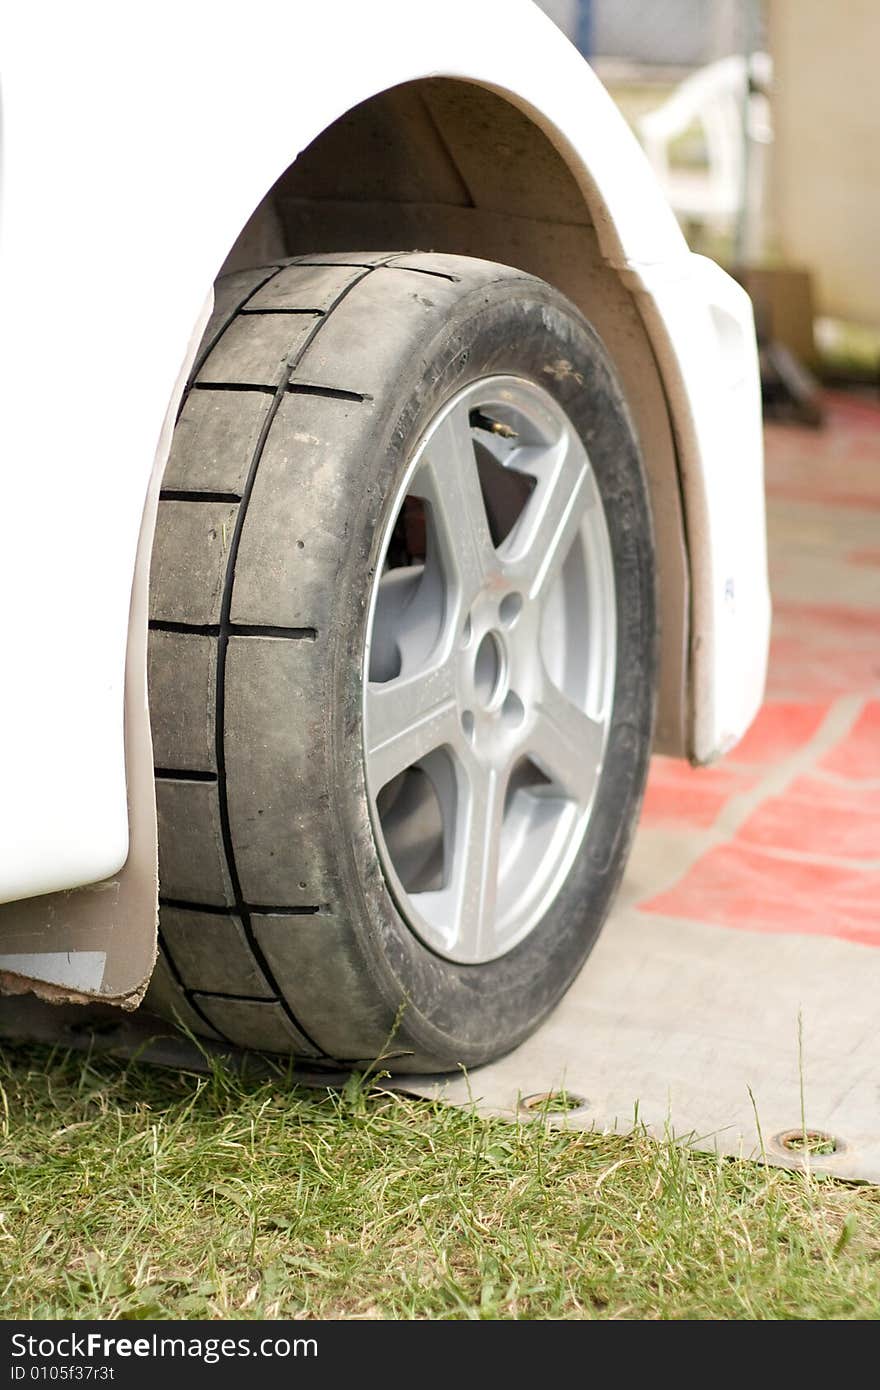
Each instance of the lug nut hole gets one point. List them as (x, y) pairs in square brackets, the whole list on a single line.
[(510, 608), (512, 711), (488, 669)]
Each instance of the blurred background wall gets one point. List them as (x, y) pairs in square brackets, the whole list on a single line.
[(666, 33), (824, 203)]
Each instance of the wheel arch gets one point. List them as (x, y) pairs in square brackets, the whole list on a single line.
[(455, 166)]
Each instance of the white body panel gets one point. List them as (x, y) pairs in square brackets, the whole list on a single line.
[(701, 326), (135, 146)]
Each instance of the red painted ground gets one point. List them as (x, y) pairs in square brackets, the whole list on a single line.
[(837, 465), (789, 827)]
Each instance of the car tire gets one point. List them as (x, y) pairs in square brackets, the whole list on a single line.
[(402, 661)]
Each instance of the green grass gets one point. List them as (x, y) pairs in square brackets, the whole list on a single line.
[(132, 1192)]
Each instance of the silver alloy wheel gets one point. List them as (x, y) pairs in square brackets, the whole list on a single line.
[(490, 661)]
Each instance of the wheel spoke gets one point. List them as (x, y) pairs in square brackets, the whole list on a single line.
[(551, 520), (466, 907), (408, 718), (566, 743), (448, 481)]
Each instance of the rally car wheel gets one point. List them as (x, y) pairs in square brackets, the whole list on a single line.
[(402, 661)]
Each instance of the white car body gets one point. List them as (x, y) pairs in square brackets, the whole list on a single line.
[(137, 142)]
